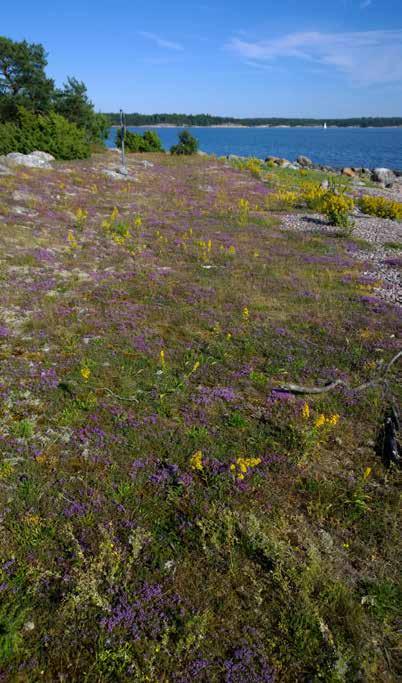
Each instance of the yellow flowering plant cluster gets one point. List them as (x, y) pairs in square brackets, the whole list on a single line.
[(282, 200), (254, 166), (85, 373), (316, 429), (196, 461), (337, 209), (313, 196), (244, 211), (81, 217), (321, 419), (242, 465), (204, 249), (380, 206), (119, 230), (72, 241)]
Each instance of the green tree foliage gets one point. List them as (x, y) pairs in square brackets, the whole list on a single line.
[(134, 142), (187, 144), (73, 103), (46, 132), (24, 88), (23, 81)]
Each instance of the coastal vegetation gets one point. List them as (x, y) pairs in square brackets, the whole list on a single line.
[(133, 142), (186, 146), (208, 120), (34, 114), (170, 509)]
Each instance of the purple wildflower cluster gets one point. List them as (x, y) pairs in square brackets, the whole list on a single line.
[(146, 616)]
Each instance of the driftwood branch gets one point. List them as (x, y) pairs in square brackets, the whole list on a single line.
[(300, 389)]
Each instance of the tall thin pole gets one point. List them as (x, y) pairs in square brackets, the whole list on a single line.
[(123, 135)]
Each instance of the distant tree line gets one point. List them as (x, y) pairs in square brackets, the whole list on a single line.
[(33, 111), (208, 120)]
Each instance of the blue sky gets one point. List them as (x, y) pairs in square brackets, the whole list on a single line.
[(227, 57)]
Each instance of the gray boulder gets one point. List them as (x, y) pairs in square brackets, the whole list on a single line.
[(349, 172), (4, 170), (28, 160), (45, 156), (383, 175), (304, 161)]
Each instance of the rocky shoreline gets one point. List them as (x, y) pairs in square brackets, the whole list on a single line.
[(385, 177)]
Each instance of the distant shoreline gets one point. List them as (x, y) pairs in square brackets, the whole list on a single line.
[(237, 126)]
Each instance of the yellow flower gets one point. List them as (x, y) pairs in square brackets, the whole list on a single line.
[(246, 313), (367, 473), (71, 240), (195, 366), (229, 336), (85, 373), (162, 358), (232, 250), (32, 520), (138, 222), (243, 465), (320, 420), (196, 461), (306, 411), (333, 420)]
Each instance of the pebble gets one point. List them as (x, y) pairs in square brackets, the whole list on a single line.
[(378, 232)]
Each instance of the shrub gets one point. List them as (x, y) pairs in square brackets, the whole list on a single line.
[(50, 133), (8, 138), (134, 142), (281, 200), (187, 144), (314, 196), (337, 208), (380, 206)]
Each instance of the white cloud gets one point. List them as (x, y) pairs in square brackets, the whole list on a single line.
[(367, 57), (160, 42)]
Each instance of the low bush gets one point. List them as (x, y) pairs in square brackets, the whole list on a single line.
[(337, 209), (314, 196), (134, 142), (50, 133), (282, 200), (8, 138), (380, 206), (187, 144)]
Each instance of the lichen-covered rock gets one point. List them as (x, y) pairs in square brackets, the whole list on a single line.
[(45, 156), (383, 175), (304, 161), (29, 160)]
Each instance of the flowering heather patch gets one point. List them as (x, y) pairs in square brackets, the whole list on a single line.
[(168, 513)]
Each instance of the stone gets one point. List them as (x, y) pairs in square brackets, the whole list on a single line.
[(383, 175), (45, 156), (28, 160), (116, 174), (325, 185), (4, 170), (349, 172), (304, 161), (201, 153), (20, 196)]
